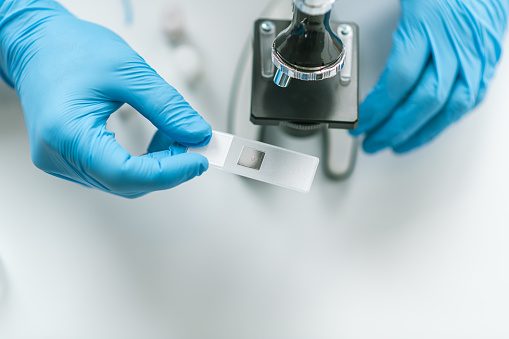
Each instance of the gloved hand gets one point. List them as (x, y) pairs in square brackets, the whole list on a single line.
[(70, 76), (444, 56)]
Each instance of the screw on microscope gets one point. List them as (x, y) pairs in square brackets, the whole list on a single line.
[(345, 29), (267, 26)]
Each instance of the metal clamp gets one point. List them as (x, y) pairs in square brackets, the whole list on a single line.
[(346, 33), (267, 36)]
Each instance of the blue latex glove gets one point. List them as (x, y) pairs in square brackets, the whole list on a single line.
[(444, 56), (70, 76)]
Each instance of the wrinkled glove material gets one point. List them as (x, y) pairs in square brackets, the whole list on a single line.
[(444, 56), (70, 76)]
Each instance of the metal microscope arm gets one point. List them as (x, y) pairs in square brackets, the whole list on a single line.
[(314, 7)]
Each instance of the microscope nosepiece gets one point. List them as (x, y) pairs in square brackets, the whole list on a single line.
[(308, 49)]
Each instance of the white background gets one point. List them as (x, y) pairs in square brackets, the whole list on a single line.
[(411, 246)]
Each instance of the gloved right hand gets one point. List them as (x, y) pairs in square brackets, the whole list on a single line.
[(70, 76), (444, 55)]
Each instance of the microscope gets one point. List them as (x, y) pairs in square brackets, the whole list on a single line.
[(305, 79)]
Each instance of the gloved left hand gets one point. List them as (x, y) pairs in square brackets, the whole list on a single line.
[(70, 76), (444, 56)]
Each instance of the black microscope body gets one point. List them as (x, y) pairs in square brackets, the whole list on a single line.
[(321, 59)]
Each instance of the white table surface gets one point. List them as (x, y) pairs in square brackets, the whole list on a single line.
[(411, 246)]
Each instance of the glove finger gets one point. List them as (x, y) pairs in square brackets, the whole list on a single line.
[(404, 67), (154, 98), (491, 54), (462, 100), (427, 99), (160, 142), (474, 68), (122, 174), (418, 108)]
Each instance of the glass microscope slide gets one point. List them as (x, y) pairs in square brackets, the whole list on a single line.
[(260, 161)]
